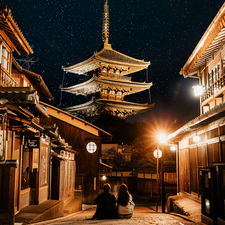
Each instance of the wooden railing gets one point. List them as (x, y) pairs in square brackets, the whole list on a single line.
[(6, 80), (215, 87)]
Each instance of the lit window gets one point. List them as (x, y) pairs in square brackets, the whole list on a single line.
[(5, 58), (207, 206), (91, 147)]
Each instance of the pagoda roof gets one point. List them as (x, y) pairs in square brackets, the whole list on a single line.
[(10, 29), (208, 46), (93, 105), (92, 85), (75, 121), (108, 57)]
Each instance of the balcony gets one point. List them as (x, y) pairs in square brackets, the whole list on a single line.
[(214, 89), (6, 80)]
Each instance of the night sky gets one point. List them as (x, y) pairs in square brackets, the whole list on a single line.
[(164, 32)]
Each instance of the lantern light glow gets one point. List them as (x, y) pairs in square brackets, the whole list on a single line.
[(198, 90), (196, 138), (162, 138)]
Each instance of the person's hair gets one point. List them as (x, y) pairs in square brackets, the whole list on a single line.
[(123, 196), (107, 188)]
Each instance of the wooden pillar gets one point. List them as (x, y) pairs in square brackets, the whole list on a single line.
[(177, 167), (189, 186), (7, 191), (20, 168), (220, 145), (151, 185)]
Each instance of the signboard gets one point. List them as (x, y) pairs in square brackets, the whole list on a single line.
[(31, 142)]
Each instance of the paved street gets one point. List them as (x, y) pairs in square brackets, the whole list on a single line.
[(142, 215)]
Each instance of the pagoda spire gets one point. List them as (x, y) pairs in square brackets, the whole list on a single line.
[(105, 31)]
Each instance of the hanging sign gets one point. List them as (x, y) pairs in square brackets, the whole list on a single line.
[(31, 142)]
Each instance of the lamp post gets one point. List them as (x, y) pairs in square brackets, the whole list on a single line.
[(162, 140), (158, 154)]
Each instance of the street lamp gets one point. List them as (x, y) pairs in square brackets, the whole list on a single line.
[(198, 91), (162, 140), (196, 138), (158, 154)]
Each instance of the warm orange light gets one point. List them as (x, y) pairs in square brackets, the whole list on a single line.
[(162, 138), (198, 90), (196, 138), (104, 177), (173, 147), (157, 153)]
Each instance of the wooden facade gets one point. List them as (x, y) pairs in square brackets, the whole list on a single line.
[(79, 133), (200, 165), (26, 148)]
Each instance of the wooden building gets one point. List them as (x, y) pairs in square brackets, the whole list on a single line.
[(26, 147), (86, 140), (108, 82), (201, 142)]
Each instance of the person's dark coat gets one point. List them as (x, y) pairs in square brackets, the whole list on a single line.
[(105, 206)]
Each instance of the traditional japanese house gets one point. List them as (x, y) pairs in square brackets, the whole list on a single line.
[(26, 147), (201, 142), (108, 82), (86, 139)]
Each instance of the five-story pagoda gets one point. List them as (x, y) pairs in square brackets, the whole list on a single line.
[(108, 83)]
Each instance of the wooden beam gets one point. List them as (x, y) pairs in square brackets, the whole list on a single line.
[(8, 41), (19, 38)]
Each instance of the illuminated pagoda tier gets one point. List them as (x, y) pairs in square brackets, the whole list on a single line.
[(108, 83)]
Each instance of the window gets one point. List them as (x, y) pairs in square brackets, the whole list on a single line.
[(91, 147), (213, 76), (207, 206), (25, 179), (210, 79), (5, 58), (43, 165)]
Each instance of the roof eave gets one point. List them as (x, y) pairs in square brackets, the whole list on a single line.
[(216, 25)]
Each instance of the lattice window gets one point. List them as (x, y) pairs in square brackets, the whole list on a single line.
[(5, 58), (91, 147)]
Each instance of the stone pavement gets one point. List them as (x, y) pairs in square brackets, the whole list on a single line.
[(143, 215)]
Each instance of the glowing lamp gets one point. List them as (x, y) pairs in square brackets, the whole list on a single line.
[(173, 147), (103, 177), (198, 90), (196, 138), (157, 153), (162, 138)]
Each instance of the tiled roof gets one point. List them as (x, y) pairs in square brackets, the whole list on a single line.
[(36, 80), (11, 29), (107, 54), (112, 55), (21, 96)]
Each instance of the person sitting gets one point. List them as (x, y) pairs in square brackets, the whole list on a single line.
[(105, 204), (125, 202)]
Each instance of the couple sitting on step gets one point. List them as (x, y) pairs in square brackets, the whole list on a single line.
[(110, 208)]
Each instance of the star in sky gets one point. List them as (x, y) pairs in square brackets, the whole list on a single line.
[(163, 32)]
